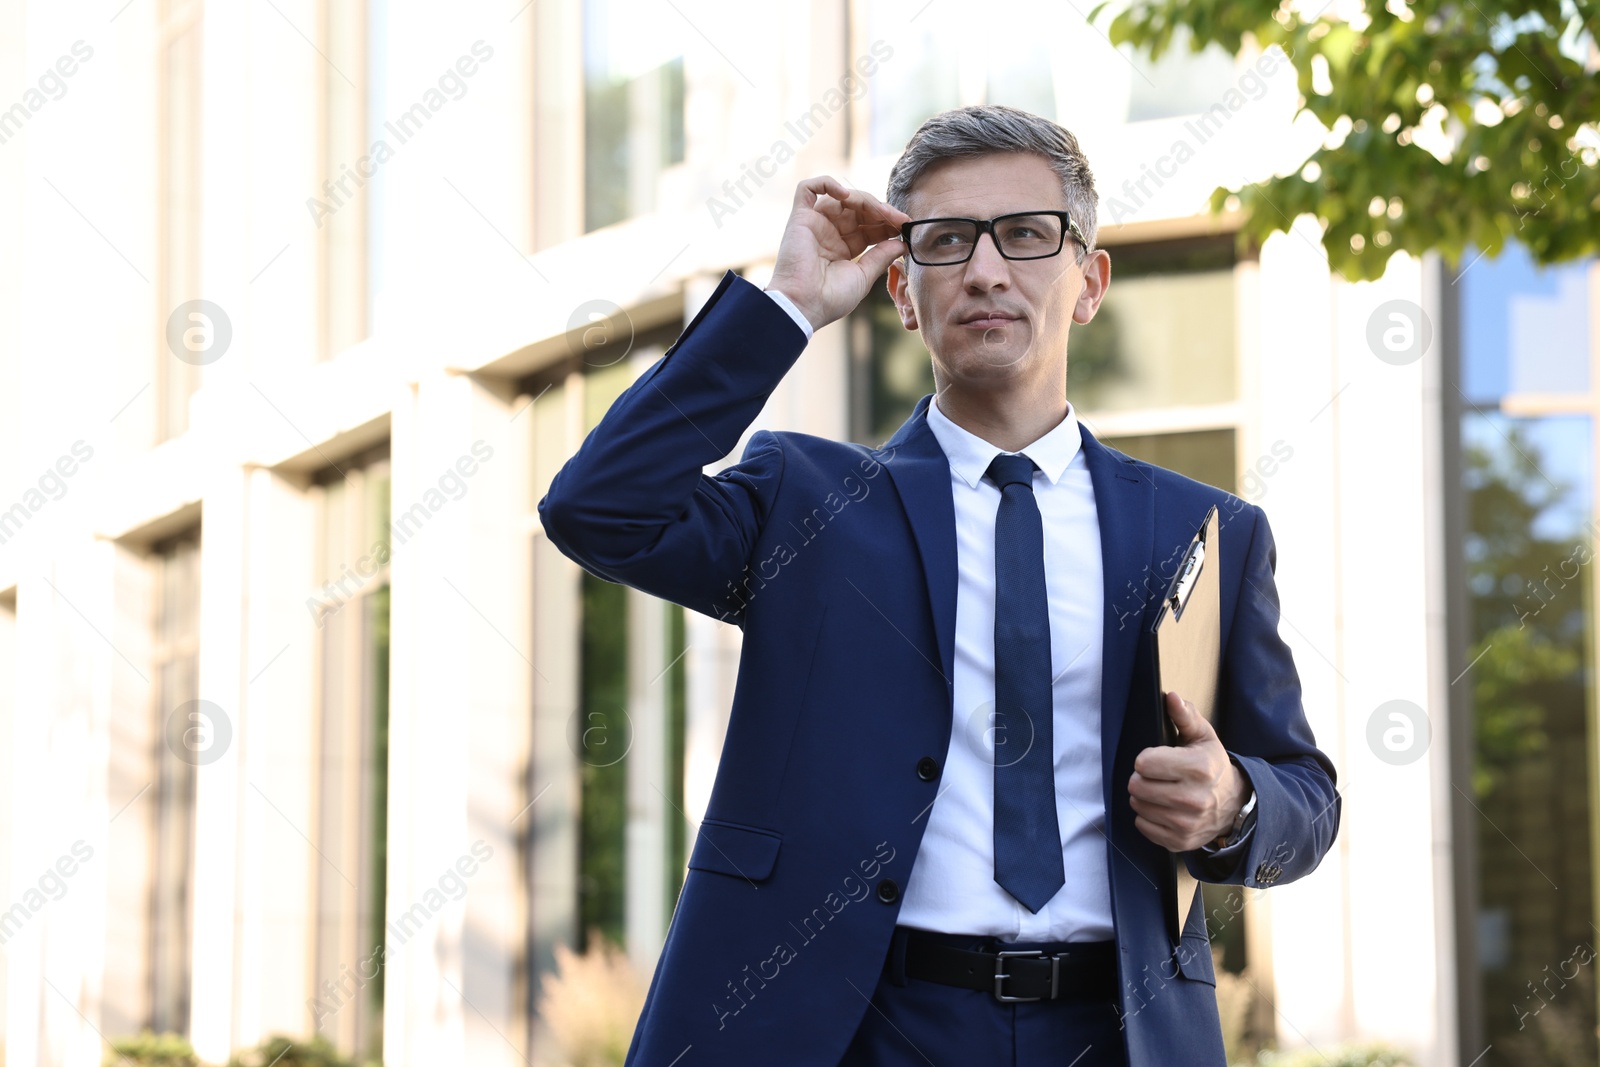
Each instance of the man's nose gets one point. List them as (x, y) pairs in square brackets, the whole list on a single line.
[(987, 268)]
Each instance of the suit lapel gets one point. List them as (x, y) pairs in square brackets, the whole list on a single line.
[(1125, 504), (921, 474)]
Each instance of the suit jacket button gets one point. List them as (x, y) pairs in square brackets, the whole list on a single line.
[(927, 768), (888, 891)]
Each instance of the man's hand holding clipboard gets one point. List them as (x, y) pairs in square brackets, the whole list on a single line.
[(1189, 794)]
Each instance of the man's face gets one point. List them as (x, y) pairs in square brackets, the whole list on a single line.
[(993, 322)]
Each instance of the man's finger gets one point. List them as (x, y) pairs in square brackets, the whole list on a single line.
[(1190, 724), (806, 193), (1162, 763), (879, 230), (875, 260), (871, 207)]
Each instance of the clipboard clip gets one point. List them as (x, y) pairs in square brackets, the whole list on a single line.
[(1188, 575)]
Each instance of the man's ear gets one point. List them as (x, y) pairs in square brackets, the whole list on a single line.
[(1096, 280), (900, 292)]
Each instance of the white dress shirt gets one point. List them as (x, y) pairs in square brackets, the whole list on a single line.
[(952, 886)]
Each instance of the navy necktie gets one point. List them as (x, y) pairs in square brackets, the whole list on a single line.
[(1027, 840)]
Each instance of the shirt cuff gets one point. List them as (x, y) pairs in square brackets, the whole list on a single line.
[(794, 313)]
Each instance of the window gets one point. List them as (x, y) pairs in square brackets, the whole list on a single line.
[(175, 655), (921, 79), (179, 64), (1526, 447), (352, 772), (349, 223), (1205, 455), (633, 107), (607, 690), (1051, 62), (890, 369), (1164, 333), (610, 710), (1164, 337)]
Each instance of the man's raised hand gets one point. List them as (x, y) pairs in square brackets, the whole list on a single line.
[(828, 228)]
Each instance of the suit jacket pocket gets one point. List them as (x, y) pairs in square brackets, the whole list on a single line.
[(747, 852)]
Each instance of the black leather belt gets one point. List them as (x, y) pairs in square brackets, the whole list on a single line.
[(1085, 970)]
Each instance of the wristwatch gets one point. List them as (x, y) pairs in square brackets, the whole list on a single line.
[(1241, 821)]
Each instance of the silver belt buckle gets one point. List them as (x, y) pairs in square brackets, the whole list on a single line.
[(1000, 976)]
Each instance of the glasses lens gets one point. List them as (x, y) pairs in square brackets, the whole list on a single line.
[(951, 240), (1029, 236), (942, 240)]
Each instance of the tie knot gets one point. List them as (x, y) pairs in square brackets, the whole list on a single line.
[(1012, 469)]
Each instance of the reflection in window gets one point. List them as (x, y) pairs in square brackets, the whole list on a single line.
[(175, 657), (633, 98), (1204, 455), (1164, 334), (603, 728), (352, 778), (1527, 557), (939, 63), (602, 745), (1527, 553), (1527, 330), (1049, 62), (676, 680), (921, 80), (890, 369)]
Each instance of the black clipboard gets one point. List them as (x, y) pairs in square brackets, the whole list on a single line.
[(1186, 644)]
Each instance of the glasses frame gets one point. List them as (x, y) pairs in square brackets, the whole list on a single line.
[(987, 227)]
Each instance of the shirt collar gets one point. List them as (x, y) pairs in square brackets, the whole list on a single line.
[(970, 455)]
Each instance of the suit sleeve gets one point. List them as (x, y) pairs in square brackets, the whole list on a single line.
[(634, 505), (1263, 726)]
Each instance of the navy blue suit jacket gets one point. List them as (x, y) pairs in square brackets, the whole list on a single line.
[(838, 562)]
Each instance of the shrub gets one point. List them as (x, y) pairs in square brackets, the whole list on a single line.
[(591, 1004), (1343, 1056), (281, 1051), (151, 1050)]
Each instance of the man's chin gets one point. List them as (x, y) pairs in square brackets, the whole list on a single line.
[(990, 357)]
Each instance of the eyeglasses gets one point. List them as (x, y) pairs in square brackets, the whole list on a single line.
[(1024, 235)]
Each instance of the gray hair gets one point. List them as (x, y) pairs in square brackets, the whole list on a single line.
[(966, 132)]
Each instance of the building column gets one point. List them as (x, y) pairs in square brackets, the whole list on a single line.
[(460, 674), (553, 425)]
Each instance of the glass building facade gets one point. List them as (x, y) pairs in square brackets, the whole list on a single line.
[(1527, 775)]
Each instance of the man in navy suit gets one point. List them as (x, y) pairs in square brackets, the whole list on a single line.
[(943, 826)]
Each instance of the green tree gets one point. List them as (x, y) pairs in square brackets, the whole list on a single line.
[(1528, 555), (1450, 125), (1528, 609)]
